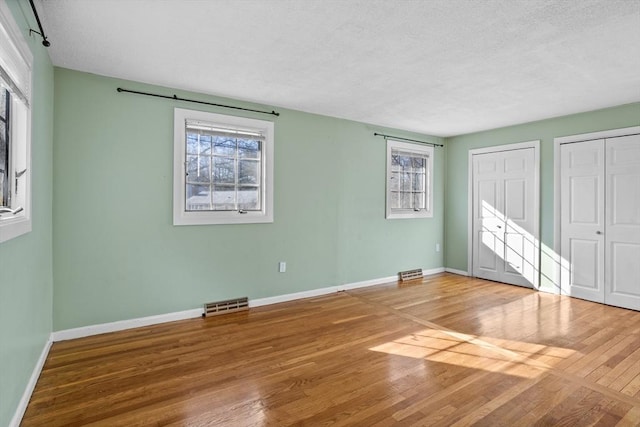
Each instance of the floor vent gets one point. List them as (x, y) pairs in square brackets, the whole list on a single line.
[(228, 306), (410, 275)]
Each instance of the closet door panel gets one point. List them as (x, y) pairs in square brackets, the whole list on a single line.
[(488, 217), (622, 259), (582, 217), (519, 190)]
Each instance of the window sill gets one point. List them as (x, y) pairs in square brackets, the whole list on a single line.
[(409, 215), (14, 227), (217, 218)]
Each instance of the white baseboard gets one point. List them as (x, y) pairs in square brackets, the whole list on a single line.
[(294, 296), (103, 328), (458, 272), (85, 331), (433, 271), (367, 283), (31, 385), (332, 289), (320, 291)]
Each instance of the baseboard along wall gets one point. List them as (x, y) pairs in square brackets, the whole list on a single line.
[(455, 271), (31, 385)]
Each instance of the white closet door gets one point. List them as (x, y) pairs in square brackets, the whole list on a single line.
[(504, 246), (488, 219), (582, 219), (518, 182), (622, 233)]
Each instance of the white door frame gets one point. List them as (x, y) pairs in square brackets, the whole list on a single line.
[(557, 142), (536, 200)]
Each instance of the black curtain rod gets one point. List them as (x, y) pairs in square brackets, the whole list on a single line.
[(177, 98), (407, 139), (45, 42)]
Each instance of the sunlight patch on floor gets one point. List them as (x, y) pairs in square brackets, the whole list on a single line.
[(516, 358)]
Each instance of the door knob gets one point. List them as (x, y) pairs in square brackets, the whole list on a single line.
[(598, 232)]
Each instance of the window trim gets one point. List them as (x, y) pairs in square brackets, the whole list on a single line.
[(19, 60), (183, 217), (421, 150)]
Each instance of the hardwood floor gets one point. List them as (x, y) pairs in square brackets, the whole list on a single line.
[(447, 351)]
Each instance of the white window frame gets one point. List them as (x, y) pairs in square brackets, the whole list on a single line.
[(16, 60), (183, 217), (419, 150)]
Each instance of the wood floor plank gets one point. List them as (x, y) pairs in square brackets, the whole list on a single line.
[(447, 350)]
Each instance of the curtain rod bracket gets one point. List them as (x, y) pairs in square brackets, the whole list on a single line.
[(407, 139), (45, 42), (195, 101)]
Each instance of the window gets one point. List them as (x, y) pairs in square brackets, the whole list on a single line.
[(5, 153), (15, 119), (223, 170), (409, 181)]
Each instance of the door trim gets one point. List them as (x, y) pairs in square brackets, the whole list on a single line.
[(535, 144), (554, 255)]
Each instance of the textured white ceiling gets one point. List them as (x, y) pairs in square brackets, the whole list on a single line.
[(441, 67)]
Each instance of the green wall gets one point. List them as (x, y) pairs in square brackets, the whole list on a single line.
[(108, 243), (457, 173), (117, 255), (26, 261)]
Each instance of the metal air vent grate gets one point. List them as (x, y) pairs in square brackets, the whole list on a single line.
[(410, 275), (228, 306)]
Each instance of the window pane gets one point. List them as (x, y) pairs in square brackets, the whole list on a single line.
[(249, 199), (405, 181), (418, 182), (198, 169), (249, 172), (224, 146), (192, 143), (395, 200), (395, 162), (394, 183), (405, 200), (249, 148), (224, 198), (198, 144), (405, 161), (224, 170), (418, 200), (418, 163), (205, 144), (198, 197)]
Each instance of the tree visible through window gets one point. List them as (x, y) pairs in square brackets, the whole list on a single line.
[(409, 185), (408, 179), (223, 170)]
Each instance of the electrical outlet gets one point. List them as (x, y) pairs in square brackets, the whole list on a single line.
[(437, 247), (282, 267)]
